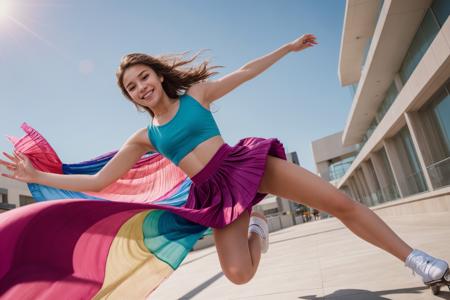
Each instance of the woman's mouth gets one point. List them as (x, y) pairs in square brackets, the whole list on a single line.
[(148, 94)]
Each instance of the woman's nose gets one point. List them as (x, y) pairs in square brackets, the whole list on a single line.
[(142, 88)]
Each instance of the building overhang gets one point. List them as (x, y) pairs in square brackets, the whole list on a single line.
[(330, 147), (359, 25), (397, 24), (430, 75)]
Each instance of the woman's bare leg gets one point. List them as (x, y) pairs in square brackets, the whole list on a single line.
[(239, 253), (293, 182)]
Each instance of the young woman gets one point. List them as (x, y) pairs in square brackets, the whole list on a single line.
[(226, 180)]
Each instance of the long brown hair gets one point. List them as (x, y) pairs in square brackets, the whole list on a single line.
[(178, 75)]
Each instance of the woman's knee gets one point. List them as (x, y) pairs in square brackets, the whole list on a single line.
[(238, 275)]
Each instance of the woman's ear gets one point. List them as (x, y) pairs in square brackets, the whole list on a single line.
[(161, 79)]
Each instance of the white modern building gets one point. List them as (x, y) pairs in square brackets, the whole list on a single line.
[(332, 159), (395, 58), (13, 193)]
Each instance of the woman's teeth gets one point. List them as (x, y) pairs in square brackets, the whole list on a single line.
[(147, 95)]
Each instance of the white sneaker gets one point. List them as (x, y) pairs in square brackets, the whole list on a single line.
[(258, 224), (431, 269)]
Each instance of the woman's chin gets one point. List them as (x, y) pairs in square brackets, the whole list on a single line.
[(150, 102)]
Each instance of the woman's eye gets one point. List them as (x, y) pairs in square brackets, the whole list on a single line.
[(131, 89), (145, 76)]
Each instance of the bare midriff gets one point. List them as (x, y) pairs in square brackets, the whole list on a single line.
[(198, 158)]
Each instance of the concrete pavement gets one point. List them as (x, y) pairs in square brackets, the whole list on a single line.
[(319, 260)]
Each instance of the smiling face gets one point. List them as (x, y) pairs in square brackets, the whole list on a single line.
[(143, 85)]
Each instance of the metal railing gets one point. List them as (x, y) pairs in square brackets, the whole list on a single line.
[(384, 194), (339, 170), (390, 192), (413, 184), (6, 206), (440, 173)]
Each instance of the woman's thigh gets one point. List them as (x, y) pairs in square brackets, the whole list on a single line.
[(232, 244), (290, 181)]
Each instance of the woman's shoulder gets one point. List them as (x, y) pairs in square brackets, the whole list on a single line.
[(141, 138), (197, 92)]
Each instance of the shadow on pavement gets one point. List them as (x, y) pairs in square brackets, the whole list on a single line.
[(355, 294), (306, 235), (201, 287)]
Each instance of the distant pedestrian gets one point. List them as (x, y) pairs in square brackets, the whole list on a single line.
[(316, 214)]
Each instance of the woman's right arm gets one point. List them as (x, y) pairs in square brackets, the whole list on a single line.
[(132, 150)]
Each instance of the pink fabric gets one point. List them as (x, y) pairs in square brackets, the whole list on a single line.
[(60, 247), (41, 154), (224, 189), (151, 179), (70, 257)]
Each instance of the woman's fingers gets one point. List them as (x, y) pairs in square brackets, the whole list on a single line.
[(7, 164), (9, 157), (11, 168), (8, 176), (17, 156), (308, 40)]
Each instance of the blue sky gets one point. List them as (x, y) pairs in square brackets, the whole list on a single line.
[(58, 61)]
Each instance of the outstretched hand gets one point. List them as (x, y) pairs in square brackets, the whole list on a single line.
[(303, 42), (20, 166)]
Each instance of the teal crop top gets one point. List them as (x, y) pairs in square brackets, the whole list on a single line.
[(191, 125)]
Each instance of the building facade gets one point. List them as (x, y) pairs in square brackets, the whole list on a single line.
[(13, 193), (331, 158), (395, 59)]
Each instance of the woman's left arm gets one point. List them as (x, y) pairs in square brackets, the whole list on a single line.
[(215, 89)]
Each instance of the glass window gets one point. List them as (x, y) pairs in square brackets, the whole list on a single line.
[(441, 9), (377, 197), (442, 111), (271, 211), (373, 125), (415, 181), (409, 147), (337, 169), (435, 123), (3, 195), (391, 94), (422, 40), (25, 200), (391, 189), (433, 132), (356, 190)]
